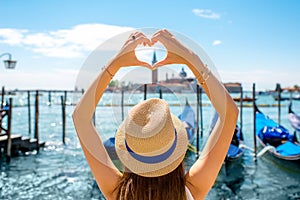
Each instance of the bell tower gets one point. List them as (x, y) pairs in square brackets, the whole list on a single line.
[(154, 72)]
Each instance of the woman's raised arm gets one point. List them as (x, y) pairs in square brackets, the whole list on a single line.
[(104, 171), (204, 171)]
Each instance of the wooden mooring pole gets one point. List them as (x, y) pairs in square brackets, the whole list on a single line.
[(254, 121), (145, 91), (94, 114), (63, 109), (278, 88), (1, 106), (241, 110), (122, 104), (65, 94), (8, 143), (199, 109), (2, 96), (29, 113), (36, 124), (49, 98), (197, 121), (160, 92)]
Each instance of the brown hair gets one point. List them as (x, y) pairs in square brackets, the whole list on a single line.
[(170, 186)]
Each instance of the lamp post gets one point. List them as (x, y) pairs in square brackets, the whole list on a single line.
[(9, 63)]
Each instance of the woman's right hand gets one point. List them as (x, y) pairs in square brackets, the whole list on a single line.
[(126, 56)]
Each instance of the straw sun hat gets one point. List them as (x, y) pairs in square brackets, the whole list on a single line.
[(151, 141)]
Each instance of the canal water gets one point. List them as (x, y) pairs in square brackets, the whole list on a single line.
[(60, 171)]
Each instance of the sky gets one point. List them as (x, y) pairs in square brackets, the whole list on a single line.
[(249, 41)]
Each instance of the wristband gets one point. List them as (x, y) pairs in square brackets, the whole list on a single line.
[(205, 75), (110, 74)]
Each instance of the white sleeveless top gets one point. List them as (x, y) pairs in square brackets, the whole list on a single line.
[(188, 194)]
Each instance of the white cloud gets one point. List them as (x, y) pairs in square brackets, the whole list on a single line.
[(216, 42), (12, 36), (70, 51), (206, 13), (64, 79), (65, 43)]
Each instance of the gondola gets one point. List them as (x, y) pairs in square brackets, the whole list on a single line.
[(189, 120), (294, 119), (245, 99), (187, 117), (276, 139), (235, 150), (275, 96)]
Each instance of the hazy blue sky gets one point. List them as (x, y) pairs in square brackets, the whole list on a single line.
[(248, 40)]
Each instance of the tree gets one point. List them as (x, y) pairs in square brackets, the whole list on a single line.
[(113, 83)]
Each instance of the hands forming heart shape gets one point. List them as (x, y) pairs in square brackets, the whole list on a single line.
[(177, 53)]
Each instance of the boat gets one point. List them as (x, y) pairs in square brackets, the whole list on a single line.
[(285, 98), (188, 119), (294, 119), (275, 139), (235, 150), (245, 99), (109, 145)]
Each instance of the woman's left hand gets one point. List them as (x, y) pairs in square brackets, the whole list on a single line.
[(177, 53)]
